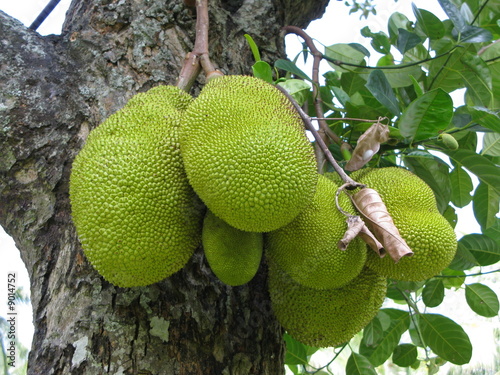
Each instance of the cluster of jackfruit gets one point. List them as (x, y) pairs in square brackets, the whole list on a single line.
[(233, 170)]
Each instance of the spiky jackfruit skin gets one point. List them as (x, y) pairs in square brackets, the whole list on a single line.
[(412, 206), (328, 317), (136, 216), (246, 153), (233, 255), (307, 247)]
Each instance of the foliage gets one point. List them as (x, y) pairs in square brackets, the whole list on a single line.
[(414, 86)]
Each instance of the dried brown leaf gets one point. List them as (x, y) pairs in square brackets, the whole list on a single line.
[(369, 203), (357, 227), (354, 226), (370, 239), (367, 146)]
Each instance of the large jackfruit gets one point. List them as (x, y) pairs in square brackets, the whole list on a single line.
[(412, 206), (246, 153), (136, 216), (307, 247), (327, 317), (233, 255)]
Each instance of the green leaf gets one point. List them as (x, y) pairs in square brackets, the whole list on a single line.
[(253, 47), (451, 215), (446, 338), (290, 67), (396, 22), (427, 116), (453, 278), (433, 293), (485, 117), (484, 169), (359, 365), (461, 187), (297, 88), (373, 332), (482, 300), (463, 260), (434, 172), (344, 53), (454, 14), (473, 34), (263, 70), (401, 77), (493, 232), (296, 352), (381, 89), (491, 144), (484, 249), (378, 354), (405, 355), (428, 23), (485, 205), (477, 79), (407, 40), (380, 41)]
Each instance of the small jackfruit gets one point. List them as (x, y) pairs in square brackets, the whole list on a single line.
[(412, 206), (327, 317), (136, 216), (307, 247), (233, 255), (247, 155)]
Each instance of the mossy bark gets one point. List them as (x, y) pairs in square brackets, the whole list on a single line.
[(53, 91)]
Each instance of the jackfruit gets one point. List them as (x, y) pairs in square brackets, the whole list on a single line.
[(136, 216), (246, 153), (307, 249), (328, 317), (412, 206), (233, 255)]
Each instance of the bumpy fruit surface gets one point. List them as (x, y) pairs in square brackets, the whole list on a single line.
[(233, 255), (328, 317), (136, 216), (412, 205), (307, 247), (246, 153)]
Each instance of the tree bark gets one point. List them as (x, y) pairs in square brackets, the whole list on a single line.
[(53, 91)]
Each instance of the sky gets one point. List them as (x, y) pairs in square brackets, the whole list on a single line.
[(347, 30)]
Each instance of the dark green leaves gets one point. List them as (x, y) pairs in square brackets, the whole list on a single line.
[(428, 23), (433, 293), (405, 355), (381, 89), (481, 299), (484, 249), (446, 338), (359, 365), (426, 116)]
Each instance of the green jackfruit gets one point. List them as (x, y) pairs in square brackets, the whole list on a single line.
[(247, 155), (233, 255), (412, 206), (327, 317), (136, 216), (307, 247)]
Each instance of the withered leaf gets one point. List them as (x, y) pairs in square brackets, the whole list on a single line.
[(367, 146), (357, 227), (369, 203)]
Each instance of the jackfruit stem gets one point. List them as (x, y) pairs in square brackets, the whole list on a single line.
[(309, 126), (198, 58)]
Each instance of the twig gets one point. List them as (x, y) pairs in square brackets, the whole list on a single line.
[(198, 58), (309, 126)]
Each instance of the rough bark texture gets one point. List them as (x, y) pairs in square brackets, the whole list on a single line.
[(53, 91)]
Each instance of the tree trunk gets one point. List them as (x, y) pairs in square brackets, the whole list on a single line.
[(53, 91)]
